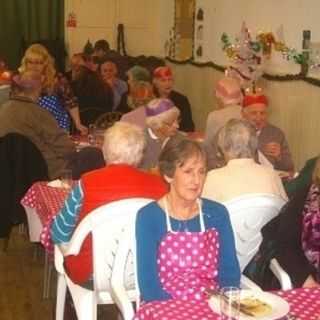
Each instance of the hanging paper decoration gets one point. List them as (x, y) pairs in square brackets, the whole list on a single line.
[(72, 20), (247, 55), (263, 43)]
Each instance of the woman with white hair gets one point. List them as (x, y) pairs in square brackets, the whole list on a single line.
[(119, 179), (241, 175), (162, 120)]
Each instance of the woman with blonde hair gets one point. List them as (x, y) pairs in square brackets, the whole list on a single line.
[(57, 96)]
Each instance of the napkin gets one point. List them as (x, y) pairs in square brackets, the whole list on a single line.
[(55, 183), (214, 303)]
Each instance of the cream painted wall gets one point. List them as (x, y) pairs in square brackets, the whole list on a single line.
[(228, 15), (294, 105), (147, 24)]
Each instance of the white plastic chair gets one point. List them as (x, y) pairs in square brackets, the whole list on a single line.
[(261, 208), (248, 214), (281, 275), (106, 224)]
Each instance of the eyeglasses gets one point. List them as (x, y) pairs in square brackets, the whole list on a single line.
[(174, 122), (34, 61)]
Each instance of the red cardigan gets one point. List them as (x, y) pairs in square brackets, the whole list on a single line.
[(111, 183)]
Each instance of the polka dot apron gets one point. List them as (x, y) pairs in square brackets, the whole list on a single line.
[(187, 264)]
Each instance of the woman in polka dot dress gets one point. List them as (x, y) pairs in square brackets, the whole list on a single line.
[(57, 96), (185, 244)]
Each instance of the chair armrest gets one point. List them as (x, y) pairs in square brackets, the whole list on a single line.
[(246, 283), (122, 300), (280, 274)]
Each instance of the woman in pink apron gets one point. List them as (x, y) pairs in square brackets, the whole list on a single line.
[(185, 245)]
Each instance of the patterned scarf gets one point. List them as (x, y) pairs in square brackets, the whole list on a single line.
[(311, 227)]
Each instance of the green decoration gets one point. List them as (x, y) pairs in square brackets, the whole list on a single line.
[(88, 48)]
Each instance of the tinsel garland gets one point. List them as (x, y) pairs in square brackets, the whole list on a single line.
[(264, 43), (270, 77)]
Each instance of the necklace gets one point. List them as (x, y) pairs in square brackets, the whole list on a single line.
[(182, 220)]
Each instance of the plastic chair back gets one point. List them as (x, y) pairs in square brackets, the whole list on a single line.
[(107, 225), (248, 214)]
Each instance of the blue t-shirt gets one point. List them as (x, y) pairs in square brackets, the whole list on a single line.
[(151, 227)]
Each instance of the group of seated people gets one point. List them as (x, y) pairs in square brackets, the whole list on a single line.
[(185, 241), (98, 85)]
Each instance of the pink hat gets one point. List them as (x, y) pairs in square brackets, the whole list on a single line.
[(229, 91)]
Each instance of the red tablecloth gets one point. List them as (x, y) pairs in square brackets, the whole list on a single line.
[(47, 201), (304, 303)]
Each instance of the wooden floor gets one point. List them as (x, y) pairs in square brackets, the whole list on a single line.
[(21, 284)]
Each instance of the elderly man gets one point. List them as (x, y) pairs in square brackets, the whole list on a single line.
[(163, 84), (229, 96), (108, 70), (242, 175), (162, 120), (271, 139), (21, 114), (120, 179)]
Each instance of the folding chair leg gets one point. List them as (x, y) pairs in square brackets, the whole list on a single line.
[(4, 244), (46, 276), (61, 297)]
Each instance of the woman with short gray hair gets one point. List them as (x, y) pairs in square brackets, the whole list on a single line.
[(119, 179), (241, 175), (162, 119), (185, 243), (123, 143), (238, 139)]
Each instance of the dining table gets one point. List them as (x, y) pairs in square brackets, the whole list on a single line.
[(42, 203)]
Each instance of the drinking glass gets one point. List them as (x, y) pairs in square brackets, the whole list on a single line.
[(230, 303), (66, 178), (91, 134), (99, 137)]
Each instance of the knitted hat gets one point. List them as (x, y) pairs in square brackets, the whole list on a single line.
[(254, 99), (162, 72), (228, 91), (139, 74)]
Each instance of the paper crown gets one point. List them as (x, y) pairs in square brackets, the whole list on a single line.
[(26, 82), (254, 99), (162, 72), (157, 106), (229, 91)]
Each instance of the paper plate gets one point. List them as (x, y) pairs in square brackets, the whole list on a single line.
[(280, 307)]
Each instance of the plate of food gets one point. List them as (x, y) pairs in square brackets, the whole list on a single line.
[(256, 304)]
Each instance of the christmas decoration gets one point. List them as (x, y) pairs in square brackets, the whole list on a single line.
[(248, 55), (246, 58), (72, 20), (88, 49)]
